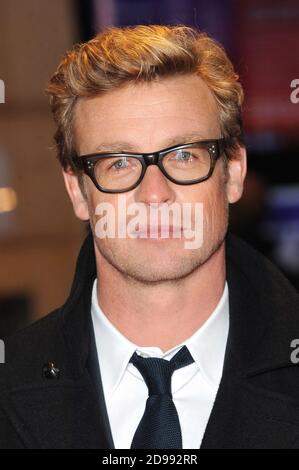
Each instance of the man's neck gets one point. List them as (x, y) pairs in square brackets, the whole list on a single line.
[(165, 314)]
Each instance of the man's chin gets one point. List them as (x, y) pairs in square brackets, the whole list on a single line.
[(154, 276), (144, 266), (150, 262)]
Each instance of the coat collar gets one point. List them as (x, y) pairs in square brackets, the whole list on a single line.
[(264, 310)]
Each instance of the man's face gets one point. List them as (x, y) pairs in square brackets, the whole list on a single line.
[(146, 118)]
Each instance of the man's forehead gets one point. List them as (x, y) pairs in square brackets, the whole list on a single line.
[(117, 146), (149, 124), (153, 94)]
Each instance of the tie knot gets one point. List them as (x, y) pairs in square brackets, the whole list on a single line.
[(157, 372)]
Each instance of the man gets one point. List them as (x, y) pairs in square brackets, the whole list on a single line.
[(159, 345)]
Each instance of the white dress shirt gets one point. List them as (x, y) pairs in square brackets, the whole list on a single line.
[(194, 387)]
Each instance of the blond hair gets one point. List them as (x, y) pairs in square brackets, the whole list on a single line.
[(142, 54)]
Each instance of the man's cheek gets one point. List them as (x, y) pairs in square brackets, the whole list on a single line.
[(93, 204), (215, 211)]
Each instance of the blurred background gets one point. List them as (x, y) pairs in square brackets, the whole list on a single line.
[(39, 235)]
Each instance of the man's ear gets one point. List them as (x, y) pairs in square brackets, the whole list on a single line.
[(76, 195), (237, 168)]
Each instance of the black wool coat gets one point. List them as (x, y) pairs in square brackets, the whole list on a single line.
[(63, 407)]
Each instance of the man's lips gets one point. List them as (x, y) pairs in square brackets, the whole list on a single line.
[(158, 232)]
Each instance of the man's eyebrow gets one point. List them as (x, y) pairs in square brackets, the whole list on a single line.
[(122, 146)]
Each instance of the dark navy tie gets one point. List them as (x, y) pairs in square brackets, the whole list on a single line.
[(159, 427)]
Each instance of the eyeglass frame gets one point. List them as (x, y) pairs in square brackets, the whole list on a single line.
[(86, 163)]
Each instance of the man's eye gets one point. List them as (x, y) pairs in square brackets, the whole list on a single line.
[(119, 164), (183, 156)]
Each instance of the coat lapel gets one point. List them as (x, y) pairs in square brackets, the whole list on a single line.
[(250, 411), (247, 417)]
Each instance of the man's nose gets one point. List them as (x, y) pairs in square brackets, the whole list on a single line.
[(155, 187)]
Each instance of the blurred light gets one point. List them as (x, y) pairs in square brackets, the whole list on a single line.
[(8, 200)]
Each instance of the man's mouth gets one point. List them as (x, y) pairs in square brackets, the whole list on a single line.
[(158, 232)]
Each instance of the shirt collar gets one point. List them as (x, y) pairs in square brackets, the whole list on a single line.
[(207, 345)]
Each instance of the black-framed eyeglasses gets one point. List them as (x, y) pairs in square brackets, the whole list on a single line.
[(184, 164)]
